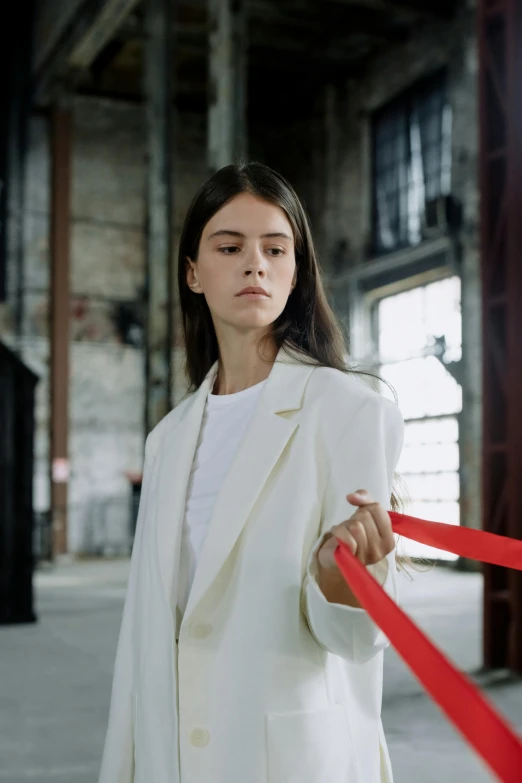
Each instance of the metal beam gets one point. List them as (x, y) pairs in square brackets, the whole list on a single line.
[(227, 134), (500, 93), (158, 83), (61, 124), (102, 30), (411, 10), (93, 24), (332, 33), (408, 11)]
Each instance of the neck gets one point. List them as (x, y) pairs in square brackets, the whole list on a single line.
[(238, 370)]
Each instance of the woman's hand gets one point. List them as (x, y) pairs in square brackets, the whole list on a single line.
[(368, 533)]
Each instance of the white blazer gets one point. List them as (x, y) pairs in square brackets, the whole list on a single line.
[(269, 682)]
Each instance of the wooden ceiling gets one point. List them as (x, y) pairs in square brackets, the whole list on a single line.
[(293, 45)]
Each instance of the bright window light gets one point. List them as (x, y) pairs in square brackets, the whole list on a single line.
[(411, 327)]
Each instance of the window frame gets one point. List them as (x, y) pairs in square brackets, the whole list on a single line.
[(404, 102)]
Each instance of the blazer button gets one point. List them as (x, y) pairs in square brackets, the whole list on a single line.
[(201, 630), (199, 738)]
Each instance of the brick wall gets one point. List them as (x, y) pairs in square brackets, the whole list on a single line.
[(325, 158), (348, 163), (107, 268)]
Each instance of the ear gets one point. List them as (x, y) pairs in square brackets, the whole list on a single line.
[(191, 278)]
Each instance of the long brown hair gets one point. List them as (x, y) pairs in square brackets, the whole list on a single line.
[(307, 325)]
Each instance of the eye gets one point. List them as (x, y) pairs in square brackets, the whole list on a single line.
[(225, 250), (276, 251)]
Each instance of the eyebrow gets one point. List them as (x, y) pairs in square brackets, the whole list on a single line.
[(226, 232)]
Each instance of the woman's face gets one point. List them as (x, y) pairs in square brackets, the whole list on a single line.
[(249, 242)]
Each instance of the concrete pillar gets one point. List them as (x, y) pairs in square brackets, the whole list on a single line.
[(15, 197), (227, 132), (16, 44), (464, 98), (59, 311), (158, 79)]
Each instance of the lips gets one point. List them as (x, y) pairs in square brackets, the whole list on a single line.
[(258, 291)]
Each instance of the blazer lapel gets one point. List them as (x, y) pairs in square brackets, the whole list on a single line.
[(265, 439), (175, 463)]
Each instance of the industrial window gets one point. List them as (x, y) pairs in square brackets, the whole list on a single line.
[(412, 327), (411, 162)]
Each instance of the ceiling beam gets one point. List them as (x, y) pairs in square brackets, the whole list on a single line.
[(333, 20), (103, 28), (302, 37), (93, 24), (405, 11), (331, 33), (408, 10)]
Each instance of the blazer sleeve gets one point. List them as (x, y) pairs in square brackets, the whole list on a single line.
[(365, 457), (117, 764)]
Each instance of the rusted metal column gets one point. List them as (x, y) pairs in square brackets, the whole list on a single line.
[(61, 126), (500, 89), (227, 132), (158, 79)]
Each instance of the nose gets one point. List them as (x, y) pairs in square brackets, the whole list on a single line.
[(255, 263)]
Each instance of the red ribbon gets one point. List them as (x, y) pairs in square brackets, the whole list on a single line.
[(477, 720), (463, 541)]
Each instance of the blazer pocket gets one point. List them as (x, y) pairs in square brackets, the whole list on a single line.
[(311, 747)]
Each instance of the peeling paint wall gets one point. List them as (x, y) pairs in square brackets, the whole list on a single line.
[(107, 270), (326, 159)]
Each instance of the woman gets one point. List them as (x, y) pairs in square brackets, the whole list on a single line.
[(243, 656)]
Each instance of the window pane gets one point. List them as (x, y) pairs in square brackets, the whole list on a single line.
[(411, 163), (429, 398), (409, 322), (424, 387), (431, 431), (429, 458)]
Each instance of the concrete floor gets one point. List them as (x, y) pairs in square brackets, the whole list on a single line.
[(55, 679)]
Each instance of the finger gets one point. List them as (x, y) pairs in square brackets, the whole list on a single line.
[(378, 546), (382, 521), (364, 516), (365, 533), (375, 513), (360, 498), (326, 554), (342, 533), (357, 529), (375, 548), (381, 518)]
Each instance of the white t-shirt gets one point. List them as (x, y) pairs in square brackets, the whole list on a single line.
[(225, 420)]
